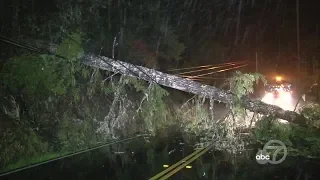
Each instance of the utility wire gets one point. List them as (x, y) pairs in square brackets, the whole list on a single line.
[(205, 78), (197, 67), (71, 154), (217, 71), (7, 40), (30, 48), (19, 45), (48, 52), (211, 68)]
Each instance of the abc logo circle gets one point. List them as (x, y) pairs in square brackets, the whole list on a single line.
[(262, 157)]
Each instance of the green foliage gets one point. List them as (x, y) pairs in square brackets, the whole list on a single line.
[(61, 99), (312, 113), (96, 85), (299, 140), (30, 160), (270, 129), (44, 74), (50, 89), (242, 85), (33, 74), (75, 134), (71, 47), (154, 111), (195, 117), (16, 143), (139, 86)]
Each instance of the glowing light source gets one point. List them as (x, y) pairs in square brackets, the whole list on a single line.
[(285, 96), (268, 98), (284, 100), (188, 167), (165, 165), (278, 78)]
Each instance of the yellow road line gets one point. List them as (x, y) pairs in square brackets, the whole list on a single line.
[(184, 164), (175, 165)]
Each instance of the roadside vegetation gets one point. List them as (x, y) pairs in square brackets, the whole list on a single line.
[(52, 105)]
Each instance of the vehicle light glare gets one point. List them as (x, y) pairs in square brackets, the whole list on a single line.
[(286, 96), (278, 78), (268, 98)]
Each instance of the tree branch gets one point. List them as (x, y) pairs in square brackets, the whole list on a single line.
[(182, 84), (187, 85)]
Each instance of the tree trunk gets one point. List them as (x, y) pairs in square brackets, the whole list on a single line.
[(187, 85), (180, 83)]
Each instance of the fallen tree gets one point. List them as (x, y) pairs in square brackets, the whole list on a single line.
[(178, 83), (190, 86)]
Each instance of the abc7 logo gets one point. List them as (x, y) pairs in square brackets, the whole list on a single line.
[(263, 156)]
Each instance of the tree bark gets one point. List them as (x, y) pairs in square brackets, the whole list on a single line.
[(178, 83), (187, 85)]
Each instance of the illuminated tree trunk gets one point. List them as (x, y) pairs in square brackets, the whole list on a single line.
[(180, 83), (186, 85)]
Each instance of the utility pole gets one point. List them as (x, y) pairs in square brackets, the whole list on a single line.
[(298, 42)]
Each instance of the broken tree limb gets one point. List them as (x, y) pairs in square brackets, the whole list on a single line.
[(176, 82), (163, 79), (190, 86)]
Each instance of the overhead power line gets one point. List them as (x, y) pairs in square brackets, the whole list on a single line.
[(204, 78), (215, 72), (9, 41), (203, 66), (196, 67), (30, 48), (211, 68)]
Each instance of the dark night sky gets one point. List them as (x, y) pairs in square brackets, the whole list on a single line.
[(277, 22)]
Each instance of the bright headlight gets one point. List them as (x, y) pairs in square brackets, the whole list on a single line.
[(268, 98), (285, 101), (286, 96)]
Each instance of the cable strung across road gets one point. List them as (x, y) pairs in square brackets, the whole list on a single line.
[(204, 78), (191, 77), (211, 68), (197, 67), (203, 66)]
